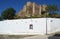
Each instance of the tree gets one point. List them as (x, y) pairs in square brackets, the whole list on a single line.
[(9, 13), (52, 9), (1, 18)]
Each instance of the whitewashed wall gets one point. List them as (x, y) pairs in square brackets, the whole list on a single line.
[(21, 26), (54, 25)]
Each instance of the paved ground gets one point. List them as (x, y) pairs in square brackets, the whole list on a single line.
[(14, 36), (36, 37), (29, 37), (53, 37), (23, 37), (43, 37)]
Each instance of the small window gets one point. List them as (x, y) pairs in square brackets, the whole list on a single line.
[(31, 26), (51, 20)]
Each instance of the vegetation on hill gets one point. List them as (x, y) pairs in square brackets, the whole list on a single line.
[(9, 13), (52, 10)]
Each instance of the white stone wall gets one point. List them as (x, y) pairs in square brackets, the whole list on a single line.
[(54, 25), (21, 26)]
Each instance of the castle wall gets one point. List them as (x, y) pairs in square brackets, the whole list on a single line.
[(32, 9)]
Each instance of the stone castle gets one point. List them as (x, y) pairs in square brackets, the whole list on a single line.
[(32, 9)]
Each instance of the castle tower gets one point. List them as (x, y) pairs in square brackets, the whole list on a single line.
[(44, 7), (40, 10), (33, 9), (29, 9)]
